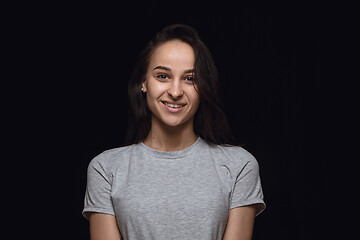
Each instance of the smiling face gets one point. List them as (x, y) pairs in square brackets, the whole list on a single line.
[(169, 84)]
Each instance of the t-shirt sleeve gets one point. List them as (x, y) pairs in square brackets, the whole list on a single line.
[(247, 189), (98, 188)]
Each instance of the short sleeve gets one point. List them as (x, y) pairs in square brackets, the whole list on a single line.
[(98, 189), (247, 189)]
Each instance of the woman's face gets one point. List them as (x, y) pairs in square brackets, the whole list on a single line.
[(169, 84)]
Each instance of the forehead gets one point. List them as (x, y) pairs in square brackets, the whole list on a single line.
[(174, 54)]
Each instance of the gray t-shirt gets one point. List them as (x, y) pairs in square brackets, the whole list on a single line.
[(185, 194)]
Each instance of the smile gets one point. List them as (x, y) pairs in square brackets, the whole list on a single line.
[(173, 106)]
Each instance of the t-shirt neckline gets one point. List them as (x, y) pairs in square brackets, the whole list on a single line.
[(171, 155)]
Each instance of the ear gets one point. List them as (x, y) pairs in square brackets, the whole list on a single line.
[(144, 86)]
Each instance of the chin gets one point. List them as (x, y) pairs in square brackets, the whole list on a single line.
[(175, 122)]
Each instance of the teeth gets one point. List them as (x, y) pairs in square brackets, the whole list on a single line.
[(172, 105)]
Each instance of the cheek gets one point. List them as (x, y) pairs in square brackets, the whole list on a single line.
[(153, 89), (195, 100), (154, 93)]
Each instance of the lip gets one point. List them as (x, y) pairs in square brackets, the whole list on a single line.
[(171, 109)]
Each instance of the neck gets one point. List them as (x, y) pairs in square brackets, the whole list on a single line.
[(166, 138)]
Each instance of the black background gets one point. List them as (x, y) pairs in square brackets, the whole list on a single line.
[(273, 61)]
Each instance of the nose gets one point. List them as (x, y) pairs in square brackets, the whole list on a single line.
[(175, 90)]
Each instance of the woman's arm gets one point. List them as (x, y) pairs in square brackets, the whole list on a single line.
[(240, 223), (103, 227)]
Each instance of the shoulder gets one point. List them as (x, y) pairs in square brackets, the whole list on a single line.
[(115, 153), (235, 153), (111, 158), (235, 157)]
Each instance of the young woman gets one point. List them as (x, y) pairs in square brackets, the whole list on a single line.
[(179, 175)]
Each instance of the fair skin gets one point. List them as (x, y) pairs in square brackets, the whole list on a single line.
[(173, 100), (103, 227), (170, 80)]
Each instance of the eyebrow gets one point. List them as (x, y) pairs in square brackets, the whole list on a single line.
[(163, 68), (169, 69)]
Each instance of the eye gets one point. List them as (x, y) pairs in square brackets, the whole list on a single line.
[(162, 76), (189, 79)]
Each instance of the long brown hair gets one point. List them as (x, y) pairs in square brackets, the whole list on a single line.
[(210, 122)]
